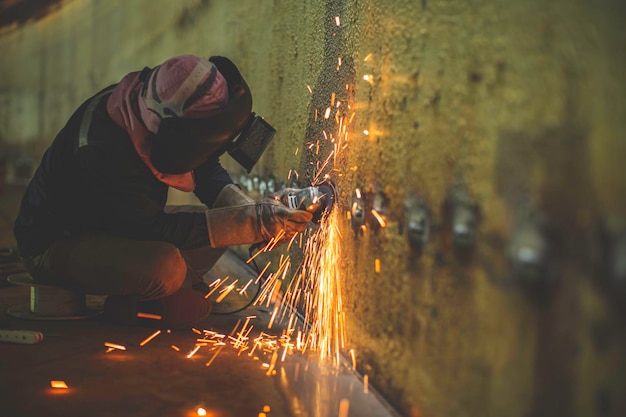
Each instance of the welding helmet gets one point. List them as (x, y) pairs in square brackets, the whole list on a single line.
[(200, 108)]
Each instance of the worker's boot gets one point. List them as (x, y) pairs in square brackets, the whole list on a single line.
[(180, 310)]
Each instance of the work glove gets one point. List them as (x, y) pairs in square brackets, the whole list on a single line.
[(231, 195), (249, 222)]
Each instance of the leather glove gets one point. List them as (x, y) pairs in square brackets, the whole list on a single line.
[(253, 222), (231, 195)]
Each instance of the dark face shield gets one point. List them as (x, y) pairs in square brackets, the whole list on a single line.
[(183, 144), (248, 147)]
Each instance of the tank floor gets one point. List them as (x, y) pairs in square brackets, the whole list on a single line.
[(156, 380)]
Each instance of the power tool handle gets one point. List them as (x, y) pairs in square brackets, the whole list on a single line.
[(26, 337)]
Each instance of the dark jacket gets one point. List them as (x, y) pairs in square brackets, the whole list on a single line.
[(104, 187)]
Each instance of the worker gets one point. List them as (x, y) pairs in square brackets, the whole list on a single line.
[(94, 216)]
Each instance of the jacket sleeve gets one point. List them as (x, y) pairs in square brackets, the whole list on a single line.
[(210, 179), (124, 198)]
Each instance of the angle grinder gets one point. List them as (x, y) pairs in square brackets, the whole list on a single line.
[(317, 200)]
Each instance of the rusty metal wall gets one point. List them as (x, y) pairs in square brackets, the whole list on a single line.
[(489, 134)]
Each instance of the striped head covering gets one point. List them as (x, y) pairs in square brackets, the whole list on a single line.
[(183, 86)]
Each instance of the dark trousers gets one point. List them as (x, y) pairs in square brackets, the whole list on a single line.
[(110, 265)]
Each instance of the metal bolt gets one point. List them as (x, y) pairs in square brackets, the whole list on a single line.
[(357, 210), (379, 207), (463, 218), (464, 222), (418, 222), (528, 251)]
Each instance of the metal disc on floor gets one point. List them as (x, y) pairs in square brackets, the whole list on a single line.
[(49, 302)]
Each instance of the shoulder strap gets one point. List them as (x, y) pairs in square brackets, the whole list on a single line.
[(83, 133)]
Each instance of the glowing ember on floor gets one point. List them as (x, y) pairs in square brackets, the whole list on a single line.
[(58, 384), (113, 346)]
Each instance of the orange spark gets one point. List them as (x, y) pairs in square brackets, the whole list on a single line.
[(149, 338), (217, 352), (216, 288), (291, 241), (193, 352), (262, 272), (327, 113), (337, 21), (269, 325), (369, 78), (379, 218), (226, 291), (245, 287), (272, 363), (254, 256), (149, 316)]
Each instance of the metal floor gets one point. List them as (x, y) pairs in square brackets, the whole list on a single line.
[(157, 380)]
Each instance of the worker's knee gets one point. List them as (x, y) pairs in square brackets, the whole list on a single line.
[(167, 270)]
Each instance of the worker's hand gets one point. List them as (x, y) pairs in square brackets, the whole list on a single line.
[(275, 217), (252, 222)]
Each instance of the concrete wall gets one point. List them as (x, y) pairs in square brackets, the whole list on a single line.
[(520, 105)]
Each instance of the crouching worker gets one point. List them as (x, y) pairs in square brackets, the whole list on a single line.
[(94, 216)]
